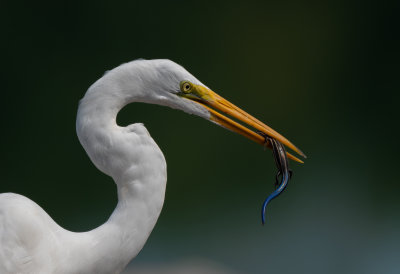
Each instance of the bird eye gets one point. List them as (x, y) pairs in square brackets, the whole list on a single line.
[(186, 86)]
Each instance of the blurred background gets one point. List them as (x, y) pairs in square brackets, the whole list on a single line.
[(325, 74)]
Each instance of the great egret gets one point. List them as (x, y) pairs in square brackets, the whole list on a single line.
[(31, 242)]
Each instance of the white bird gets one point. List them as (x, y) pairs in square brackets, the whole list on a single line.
[(31, 242)]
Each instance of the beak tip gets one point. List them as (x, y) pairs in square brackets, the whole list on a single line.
[(301, 153)]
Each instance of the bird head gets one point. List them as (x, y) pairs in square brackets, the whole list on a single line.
[(164, 82)]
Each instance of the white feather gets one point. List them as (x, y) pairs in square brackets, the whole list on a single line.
[(31, 242)]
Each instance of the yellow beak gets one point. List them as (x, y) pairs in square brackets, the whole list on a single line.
[(213, 102)]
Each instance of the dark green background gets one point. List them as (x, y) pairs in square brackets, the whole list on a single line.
[(324, 74)]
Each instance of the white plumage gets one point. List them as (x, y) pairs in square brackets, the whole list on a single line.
[(31, 242)]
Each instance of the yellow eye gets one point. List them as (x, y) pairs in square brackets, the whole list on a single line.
[(186, 86)]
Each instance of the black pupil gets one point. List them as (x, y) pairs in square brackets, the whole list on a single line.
[(186, 87)]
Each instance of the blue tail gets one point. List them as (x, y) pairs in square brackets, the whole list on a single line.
[(282, 186)]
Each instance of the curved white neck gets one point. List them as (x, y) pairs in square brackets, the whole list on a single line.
[(137, 165)]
